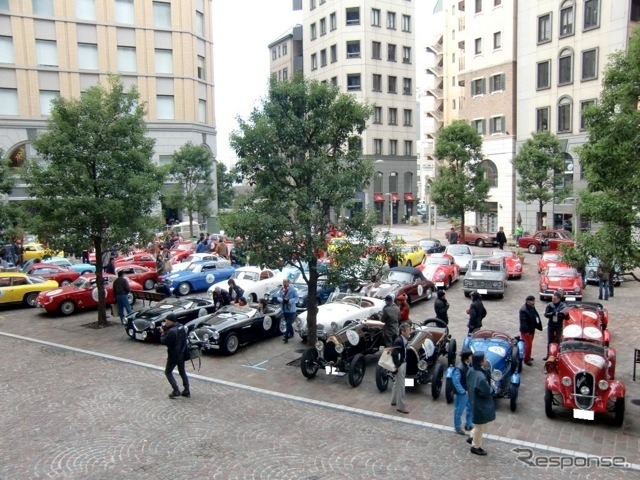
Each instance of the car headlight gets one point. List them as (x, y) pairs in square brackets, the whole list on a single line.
[(215, 335), (496, 375), (422, 365), (205, 337), (518, 267), (267, 297), (131, 332), (566, 381), (577, 289), (585, 390), (543, 286), (319, 345), (440, 275), (339, 348), (497, 284), (145, 334), (603, 384)]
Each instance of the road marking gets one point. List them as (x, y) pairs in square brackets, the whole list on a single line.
[(318, 403), (257, 365)]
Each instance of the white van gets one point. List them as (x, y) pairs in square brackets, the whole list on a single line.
[(183, 229)]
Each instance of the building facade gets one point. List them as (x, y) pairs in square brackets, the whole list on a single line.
[(285, 54)]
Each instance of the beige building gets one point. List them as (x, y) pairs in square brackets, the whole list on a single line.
[(285, 54), (51, 48)]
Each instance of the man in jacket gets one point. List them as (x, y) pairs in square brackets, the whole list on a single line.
[(391, 320), (441, 306), (461, 399), (453, 236), (603, 273), (121, 290), (483, 406), (529, 322), (476, 313), (554, 316), (501, 238), (399, 356), (174, 336), (288, 296), (220, 298)]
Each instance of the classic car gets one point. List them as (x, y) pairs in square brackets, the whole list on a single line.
[(235, 325), (63, 276), (461, 254), (486, 275), (514, 262), (18, 287), (323, 291), (410, 255), (477, 235), (35, 250), (441, 269), (546, 240), (255, 282), (182, 250), (427, 343), (504, 355), (397, 281), (581, 377), (197, 277), (81, 294), (147, 277), (199, 257), (550, 258), (586, 321), (344, 352), (431, 245), (142, 259), (591, 272), (143, 324), (565, 278), (63, 262), (340, 310)]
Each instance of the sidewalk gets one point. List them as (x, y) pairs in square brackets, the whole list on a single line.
[(413, 233)]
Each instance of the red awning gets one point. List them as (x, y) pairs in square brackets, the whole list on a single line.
[(408, 197), (395, 197), (378, 197)]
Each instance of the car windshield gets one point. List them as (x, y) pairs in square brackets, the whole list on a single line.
[(502, 253), (194, 267), (35, 279), (407, 248), (458, 250), (578, 346), (427, 243), (399, 277), (561, 272), (436, 261), (182, 246), (565, 234), (244, 275), (486, 265), (552, 257), (82, 282)]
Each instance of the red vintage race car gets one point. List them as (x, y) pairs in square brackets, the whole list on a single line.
[(550, 258), (565, 278), (181, 250), (586, 321), (514, 262), (147, 277), (81, 294), (64, 276), (441, 269), (144, 259), (546, 240)]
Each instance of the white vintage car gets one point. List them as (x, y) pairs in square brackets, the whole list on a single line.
[(196, 257), (340, 310), (255, 282), (461, 254)]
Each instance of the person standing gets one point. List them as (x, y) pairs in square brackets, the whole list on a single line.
[(222, 250), (236, 293), (403, 305), (399, 356), (476, 313), (603, 273), (174, 336), (483, 406), (453, 236), (461, 399), (111, 266), (200, 246), (441, 306), (121, 290), (612, 274), (554, 315), (518, 232), (288, 297), (529, 323), (501, 238), (391, 320), (220, 298)]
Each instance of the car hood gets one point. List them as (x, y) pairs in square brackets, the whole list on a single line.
[(221, 322), (381, 290), (462, 259), (63, 291), (332, 311), (430, 270), (574, 362), (496, 276), (496, 351)]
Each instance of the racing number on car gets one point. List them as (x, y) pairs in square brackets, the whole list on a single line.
[(353, 337), (267, 323), (210, 278), (94, 294), (420, 290)]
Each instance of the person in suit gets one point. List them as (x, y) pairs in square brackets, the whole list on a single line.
[(174, 336), (399, 356)]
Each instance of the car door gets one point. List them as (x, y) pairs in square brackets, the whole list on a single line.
[(207, 276)]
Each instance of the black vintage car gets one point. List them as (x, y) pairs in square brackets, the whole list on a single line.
[(235, 325), (143, 324), (344, 351), (427, 343)]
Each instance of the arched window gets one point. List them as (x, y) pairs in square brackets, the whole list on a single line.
[(377, 182), (490, 172), (565, 67), (393, 182), (18, 156), (565, 107)]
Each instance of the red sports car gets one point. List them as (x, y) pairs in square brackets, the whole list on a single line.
[(181, 250), (81, 294), (143, 259), (514, 263), (64, 276), (441, 269), (566, 278), (147, 277), (586, 321), (551, 258), (546, 240)]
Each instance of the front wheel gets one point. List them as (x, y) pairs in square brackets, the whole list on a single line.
[(67, 307), (548, 404), (480, 243), (231, 344), (309, 363), (149, 284), (467, 294), (30, 299), (513, 396), (254, 298), (532, 248), (448, 390), (382, 379), (357, 368), (184, 288), (429, 294), (436, 381)]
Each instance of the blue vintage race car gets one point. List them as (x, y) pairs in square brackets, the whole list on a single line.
[(504, 355), (197, 277)]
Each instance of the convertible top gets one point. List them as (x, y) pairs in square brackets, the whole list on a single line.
[(411, 270)]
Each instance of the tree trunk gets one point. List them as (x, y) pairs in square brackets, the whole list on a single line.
[(462, 230), (190, 213), (312, 302), (102, 312), (539, 219)]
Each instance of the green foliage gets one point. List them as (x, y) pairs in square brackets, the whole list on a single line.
[(96, 183), (293, 150), (460, 184), (224, 185), (6, 185)]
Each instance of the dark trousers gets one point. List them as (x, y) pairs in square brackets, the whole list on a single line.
[(168, 371), (289, 317)]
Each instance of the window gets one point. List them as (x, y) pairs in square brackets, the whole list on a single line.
[(393, 116), (408, 148), (406, 23), (285, 73), (497, 40), (391, 20), (479, 126), (406, 54), (127, 59), (478, 46), (125, 12), (274, 54), (477, 87), (165, 107), (47, 53), (406, 86), (377, 116), (478, 6), (314, 33), (408, 117), (543, 75), (43, 7), (376, 50), (8, 101), (391, 52), (490, 172), (323, 57), (544, 28), (334, 81), (497, 3), (201, 68), (375, 17), (46, 97), (353, 49), (392, 84), (590, 64), (4, 6), (377, 83), (542, 119), (353, 82), (496, 83), (353, 16), (162, 14), (496, 125), (314, 61), (313, 4), (393, 147), (566, 19), (565, 67), (333, 21), (87, 56), (591, 14), (334, 53), (585, 104), (86, 9), (564, 115), (323, 26), (377, 146), (6, 50), (164, 61), (453, 58), (202, 111), (284, 49), (200, 23)]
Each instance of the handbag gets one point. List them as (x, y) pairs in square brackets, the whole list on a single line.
[(386, 361)]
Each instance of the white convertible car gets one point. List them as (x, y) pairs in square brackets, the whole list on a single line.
[(255, 282), (340, 310)]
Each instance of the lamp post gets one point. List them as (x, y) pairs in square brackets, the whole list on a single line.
[(390, 210)]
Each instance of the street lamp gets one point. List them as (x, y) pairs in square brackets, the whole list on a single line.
[(390, 210)]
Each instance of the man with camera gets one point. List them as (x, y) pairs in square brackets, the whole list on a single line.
[(174, 336), (288, 296)]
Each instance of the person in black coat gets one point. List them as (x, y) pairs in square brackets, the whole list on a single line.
[(529, 323), (501, 238), (220, 298), (483, 405), (555, 318), (174, 336), (476, 313), (441, 306)]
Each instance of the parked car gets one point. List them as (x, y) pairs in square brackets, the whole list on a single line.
[(411, 255), (441, 269), (514, 262), (18, 287), (591, 273), (344, 352), (323, 292), (504, 354), (407, 281), (546, 240), (197, 277), (35, 250), (147, 277), (234, 325), (182, 250), (81, 268), (255, 282), (200, 257), (142, 259), (461, 254), (477, 235), (431, 245), (586, 321), (63, 276), (486, 275), (550, 258), (565, 278)]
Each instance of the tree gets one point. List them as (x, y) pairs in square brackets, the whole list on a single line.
[(6, 186), (191, 169), (224, 185), (460, 184), (293, 149), (95, 182), (539, 164)]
